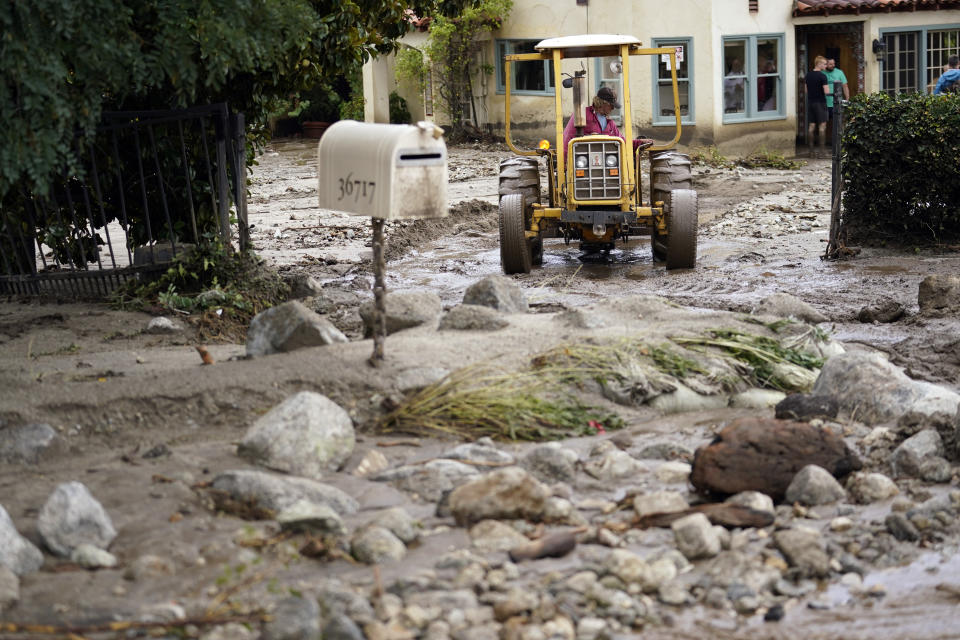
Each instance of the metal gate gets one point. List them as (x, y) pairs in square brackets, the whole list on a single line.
[(151, 184)]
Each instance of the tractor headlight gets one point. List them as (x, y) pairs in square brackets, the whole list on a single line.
[(612, 160), (582, 162)]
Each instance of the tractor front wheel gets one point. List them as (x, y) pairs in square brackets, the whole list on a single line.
[(514, 249)]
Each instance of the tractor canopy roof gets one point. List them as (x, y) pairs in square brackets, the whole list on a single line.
[(588, 45)]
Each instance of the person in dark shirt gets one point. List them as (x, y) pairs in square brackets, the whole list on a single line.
[(817, 89)]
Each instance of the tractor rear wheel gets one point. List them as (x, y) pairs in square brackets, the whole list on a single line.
[(521, 175), (514, 248), (669, 170), (681, 242)]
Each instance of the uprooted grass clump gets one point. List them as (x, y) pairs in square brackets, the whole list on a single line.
[(218, 288), (761, 158), (539, 403), (479, 401), (766, 362)]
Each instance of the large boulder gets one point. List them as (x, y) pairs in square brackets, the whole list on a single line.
[(939, 295), (404, 311), (760, 454), (497, 292), (504, 494), (304, 435), (17, 554), (878, 391), (71, 517), (288, 327)]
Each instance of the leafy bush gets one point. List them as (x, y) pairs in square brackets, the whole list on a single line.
[(901, 169), (399, 113)]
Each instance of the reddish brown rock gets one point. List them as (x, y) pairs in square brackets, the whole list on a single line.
[(760, 454)]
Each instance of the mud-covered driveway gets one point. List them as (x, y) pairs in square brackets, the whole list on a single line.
[(762, 231)]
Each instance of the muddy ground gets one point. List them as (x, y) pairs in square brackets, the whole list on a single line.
[(115, 392)]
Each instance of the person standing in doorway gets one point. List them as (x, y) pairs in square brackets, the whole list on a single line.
[(817, 89), (834, 76)]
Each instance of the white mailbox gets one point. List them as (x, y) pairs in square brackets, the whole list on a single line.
[(384, 171)]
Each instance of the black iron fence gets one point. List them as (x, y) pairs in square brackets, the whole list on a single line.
[(151, 185)]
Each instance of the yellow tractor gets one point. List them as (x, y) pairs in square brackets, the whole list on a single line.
[(595, 180)]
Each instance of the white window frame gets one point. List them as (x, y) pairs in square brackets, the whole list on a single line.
[(504, 47), (751, 113), (665, 121)]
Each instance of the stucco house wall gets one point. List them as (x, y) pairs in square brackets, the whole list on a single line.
[(704, 24)]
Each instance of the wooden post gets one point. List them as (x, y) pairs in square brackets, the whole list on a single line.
[(379, 294)]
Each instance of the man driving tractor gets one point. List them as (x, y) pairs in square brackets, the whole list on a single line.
[(598, 119)]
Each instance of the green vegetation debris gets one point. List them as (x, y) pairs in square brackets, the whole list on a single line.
[(765, 358), (763, 158), (221, 288), (479, 401)]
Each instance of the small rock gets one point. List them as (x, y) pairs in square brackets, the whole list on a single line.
[(231, 631), (288, 327), (753, 500), (429, 481), (372, 463), (614, 465), (590, 628), (303, 285), (148, 567), (666, 451), (91, 557), (503, 494), (404, 311), (294, 619), (400, 523), (939, 296), (935, 469), (901, 528), (29, 443), (472, 317), (865, 488), (803, 549), (807, 406), (756, 399), (813, 486), (70, 517), (9, 588), (341, 627), (911, 453), (497, 292), (785, 305), (884, 309), (625, 565), (376, 545), (695, 536), (479, 453), (276, 492), (163, 325), (841, 523), (304, 515), (17, 554), (659, 502), (674, 593), (551, 463), (673, 472)]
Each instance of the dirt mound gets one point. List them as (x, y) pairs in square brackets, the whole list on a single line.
[(465, 217)]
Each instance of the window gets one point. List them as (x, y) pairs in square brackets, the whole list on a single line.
[(609, 73), (752, 80), (663, 91), (914, 59), (530, 77)]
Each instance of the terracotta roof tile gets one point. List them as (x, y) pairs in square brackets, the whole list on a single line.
[(829, 7)]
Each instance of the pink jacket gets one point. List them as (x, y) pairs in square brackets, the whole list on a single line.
[(592, 125)]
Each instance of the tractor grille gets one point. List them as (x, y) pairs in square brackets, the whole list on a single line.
[(597, 180)]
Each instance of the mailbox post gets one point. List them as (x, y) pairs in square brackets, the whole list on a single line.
[(387, 172)]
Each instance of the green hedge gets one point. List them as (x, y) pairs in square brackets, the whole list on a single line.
[(901, 169)]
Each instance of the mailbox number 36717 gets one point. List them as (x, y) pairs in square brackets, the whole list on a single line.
[(355, 188)]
